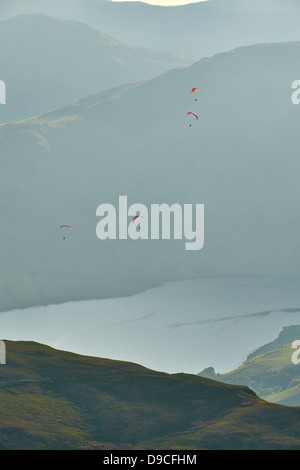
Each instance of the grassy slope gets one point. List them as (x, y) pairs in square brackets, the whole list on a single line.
[(53, 399), (269, 370)]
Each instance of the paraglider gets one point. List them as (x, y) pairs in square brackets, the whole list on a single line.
[(193, 91), (194, 114), (135, 217), (69, 226)]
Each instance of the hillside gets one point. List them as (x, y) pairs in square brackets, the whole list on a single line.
[(57, 168), (269, 370), (56, 62), (52, 399), (200, 29)]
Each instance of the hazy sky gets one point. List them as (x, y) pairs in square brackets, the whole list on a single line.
[(165, 2)]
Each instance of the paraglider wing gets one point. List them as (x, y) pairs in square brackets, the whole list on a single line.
[(196, 116), (135, 217), (193, 90), (67, 226)]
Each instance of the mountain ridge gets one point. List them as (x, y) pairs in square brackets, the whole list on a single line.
[(268, 370), (199, 29), (69, 61), (53, 399)]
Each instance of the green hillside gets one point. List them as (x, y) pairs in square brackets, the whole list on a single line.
[(269, 370), (53, 399)]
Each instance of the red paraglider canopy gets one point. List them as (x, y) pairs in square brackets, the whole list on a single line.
[(67, 226), (134, 218), (196, 116)]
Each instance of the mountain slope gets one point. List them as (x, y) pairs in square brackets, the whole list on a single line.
[(57, 61), (240, 159), (57, 400), (199, 29), (269, 370)]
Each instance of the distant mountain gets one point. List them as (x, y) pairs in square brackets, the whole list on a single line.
[(199, 29), (271, 6), (269, 370), (53, 399), (48, 62), (240, 159)]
